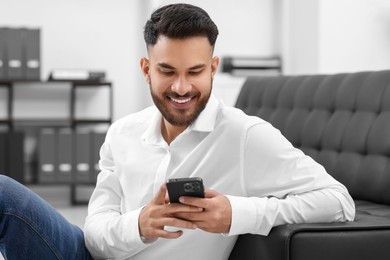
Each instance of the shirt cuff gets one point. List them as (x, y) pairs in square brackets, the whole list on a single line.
[(248, 216), (132, 218)]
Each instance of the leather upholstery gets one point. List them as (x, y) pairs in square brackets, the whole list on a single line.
[(343, 122)]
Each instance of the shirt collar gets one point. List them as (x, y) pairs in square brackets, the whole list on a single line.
[(204, 123), (207, 118)]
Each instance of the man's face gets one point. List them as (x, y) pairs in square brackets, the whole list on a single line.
[(180, 75)]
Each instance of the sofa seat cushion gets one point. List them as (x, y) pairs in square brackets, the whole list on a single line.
[(368, 235), (371, 214)]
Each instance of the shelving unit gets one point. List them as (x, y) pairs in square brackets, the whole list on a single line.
[(72, 121)]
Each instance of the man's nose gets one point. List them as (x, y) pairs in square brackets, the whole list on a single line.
[(181, 86)]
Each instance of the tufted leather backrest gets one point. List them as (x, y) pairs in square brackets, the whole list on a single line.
[(342, 121)]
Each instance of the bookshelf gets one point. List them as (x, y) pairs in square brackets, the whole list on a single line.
[(63, 107)]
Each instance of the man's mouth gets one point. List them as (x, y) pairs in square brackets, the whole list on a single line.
[(181, 101)]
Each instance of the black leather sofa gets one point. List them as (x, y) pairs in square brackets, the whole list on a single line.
[(343, 122)]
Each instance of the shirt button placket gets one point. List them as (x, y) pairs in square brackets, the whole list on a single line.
[(162, 171)]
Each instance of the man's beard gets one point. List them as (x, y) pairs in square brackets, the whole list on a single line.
[(179, 117)]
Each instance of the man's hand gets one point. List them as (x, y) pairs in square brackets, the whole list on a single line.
[(158, 213), (216, 216)]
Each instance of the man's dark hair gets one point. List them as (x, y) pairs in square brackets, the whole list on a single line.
[(179, 21)]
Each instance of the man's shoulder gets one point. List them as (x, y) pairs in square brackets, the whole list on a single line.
[(235, 124), (235, 117)]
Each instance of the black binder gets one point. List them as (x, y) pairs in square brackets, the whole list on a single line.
[(97, 142), (14, 53), (64, 155), (47, 156), (82, 157), (31, 60), (3, 61), (16, 156)]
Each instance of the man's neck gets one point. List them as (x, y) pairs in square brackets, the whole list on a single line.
[(170, 132)]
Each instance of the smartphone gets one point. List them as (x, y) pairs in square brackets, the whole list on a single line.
[(191, 187)]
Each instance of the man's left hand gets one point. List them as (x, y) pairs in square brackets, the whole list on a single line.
[(216, 216)]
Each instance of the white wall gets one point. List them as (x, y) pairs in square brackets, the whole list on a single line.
[(331, 36), (354, 35), (299, 36)]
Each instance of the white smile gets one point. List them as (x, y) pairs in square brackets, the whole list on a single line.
[(181, 101)]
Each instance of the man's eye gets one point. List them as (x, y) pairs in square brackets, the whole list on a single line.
[(195, 72), (167, 73)]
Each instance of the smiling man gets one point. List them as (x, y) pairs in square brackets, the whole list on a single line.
[(255, 178)]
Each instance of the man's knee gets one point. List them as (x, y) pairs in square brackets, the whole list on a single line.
[(6, 183), (10, 190)]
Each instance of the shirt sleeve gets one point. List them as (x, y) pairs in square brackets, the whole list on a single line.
[(283, 186), (109, 234)]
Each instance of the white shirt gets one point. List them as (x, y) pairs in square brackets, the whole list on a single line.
[(267, 181)]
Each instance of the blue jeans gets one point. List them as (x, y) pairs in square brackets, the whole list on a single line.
[(32, 229)]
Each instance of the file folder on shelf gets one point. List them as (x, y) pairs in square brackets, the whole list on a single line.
[(16, 156), (64, 155), (97, 142), (3, 61), (76, 75), (14, 53), (47, 156), (82, 157), (32, 60)]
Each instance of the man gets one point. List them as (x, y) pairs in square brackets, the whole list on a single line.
[(255, 178)]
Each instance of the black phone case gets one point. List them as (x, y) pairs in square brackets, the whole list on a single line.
[(192, 187)]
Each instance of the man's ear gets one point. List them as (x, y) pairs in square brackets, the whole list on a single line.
[(214, 65), (144, 63)]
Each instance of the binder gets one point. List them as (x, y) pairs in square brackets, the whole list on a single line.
[(76, 75), (82, 157), (16, 156), (3, 153), (64, 155), (3, 60), (14, 53), (31, 49), (47, 156), (97, 142)]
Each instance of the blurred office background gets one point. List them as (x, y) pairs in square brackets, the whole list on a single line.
[(308, 36)]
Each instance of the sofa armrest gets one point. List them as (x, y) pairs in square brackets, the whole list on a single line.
[(368, 237)]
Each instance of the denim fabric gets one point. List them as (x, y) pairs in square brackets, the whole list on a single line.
[(32, 229)]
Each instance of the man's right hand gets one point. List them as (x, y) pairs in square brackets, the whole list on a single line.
[(158, 213)]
